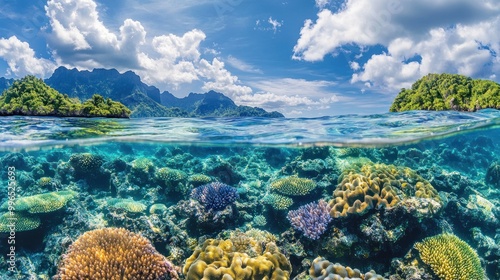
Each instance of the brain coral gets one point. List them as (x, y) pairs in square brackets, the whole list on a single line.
[(215, 196), (114, 253), (217, 259), (450, 257), (322, 269), (18, 222), (379, 185), (293, 186), (43, 203)]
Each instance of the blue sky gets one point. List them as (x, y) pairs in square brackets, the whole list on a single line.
[(303, 58)]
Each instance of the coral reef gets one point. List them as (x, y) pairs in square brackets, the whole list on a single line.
[(128, 205), (114, 253), (277, 201), (42, 203), (450, 257), (383, 186), (215, 196), (293, 186), (86, 164), (322, 269), (311, 219), (218, 259), (493, 174), (14, 222)]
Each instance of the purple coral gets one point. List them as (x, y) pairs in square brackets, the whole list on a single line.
[(311, 219), (215, 196)]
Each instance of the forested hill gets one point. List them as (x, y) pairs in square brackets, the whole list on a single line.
[(448, 92)]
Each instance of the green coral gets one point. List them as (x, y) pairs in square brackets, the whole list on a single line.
[(450, 257), (42, 203), (362, 188), (278, 201), (448, 92), (218, 259), (86, 164), (170, 175), (199, 179), (31, 96), (293, 186), (128, 205), (45, 182), (15, 221)]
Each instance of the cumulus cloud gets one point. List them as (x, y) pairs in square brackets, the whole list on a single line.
[(79, 38), (21, 59), (322, 3), (457, 36)]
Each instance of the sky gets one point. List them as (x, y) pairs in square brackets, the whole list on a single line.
[(303, 58)]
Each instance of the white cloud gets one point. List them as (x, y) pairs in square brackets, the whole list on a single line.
[(78, 38), (21, 59), (242, 65), (448, 36), (322, 3), (275, 24)]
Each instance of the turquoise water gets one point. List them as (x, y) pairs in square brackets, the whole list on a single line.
[(437, 172)]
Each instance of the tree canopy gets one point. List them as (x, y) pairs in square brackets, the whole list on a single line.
[(30, 96), (448, 92)]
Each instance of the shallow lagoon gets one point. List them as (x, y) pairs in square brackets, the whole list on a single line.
[(386, 182)]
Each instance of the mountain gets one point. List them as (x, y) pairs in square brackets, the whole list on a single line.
[(145, 100), (448, 92), (5, 83)]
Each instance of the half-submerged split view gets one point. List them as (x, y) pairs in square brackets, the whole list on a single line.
[(250, 140)]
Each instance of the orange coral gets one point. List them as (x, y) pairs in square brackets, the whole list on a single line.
[(114, 253)]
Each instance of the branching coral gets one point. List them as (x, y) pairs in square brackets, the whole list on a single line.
[(383, 186), (311, 219), (114, 253), (278, 201), (293, 186), (218, 259), (450, 257), (215, 196)]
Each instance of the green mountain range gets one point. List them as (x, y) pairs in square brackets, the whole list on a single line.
[(145, 100), (448, 92)]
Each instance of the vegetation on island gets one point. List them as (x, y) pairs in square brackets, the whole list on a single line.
[(30, 96), (448, 92)]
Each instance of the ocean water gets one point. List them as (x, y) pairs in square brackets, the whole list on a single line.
[(251, 198)]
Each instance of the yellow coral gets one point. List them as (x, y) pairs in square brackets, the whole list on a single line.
[(128, 205), (450, 257), (293, 186), (379, 185), (278, 201), (323, 269), (218, 259), (42, 203), (14, 221), (170, 175), (114, 253)]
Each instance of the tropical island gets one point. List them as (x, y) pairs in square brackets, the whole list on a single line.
[(30, 96), (438, 92)]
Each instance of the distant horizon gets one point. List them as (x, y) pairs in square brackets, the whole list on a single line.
[(303, 58)]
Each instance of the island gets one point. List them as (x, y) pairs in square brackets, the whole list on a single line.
[(438, 92), (30, 96)]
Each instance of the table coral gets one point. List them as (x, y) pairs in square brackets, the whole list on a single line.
[(42, 203), (382, 186), (293, 186), (450, 257), (218, 259), (15, 222), (111, 253), (278, 201)]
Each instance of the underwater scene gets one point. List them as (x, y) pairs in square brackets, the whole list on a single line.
[(411, 195)]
